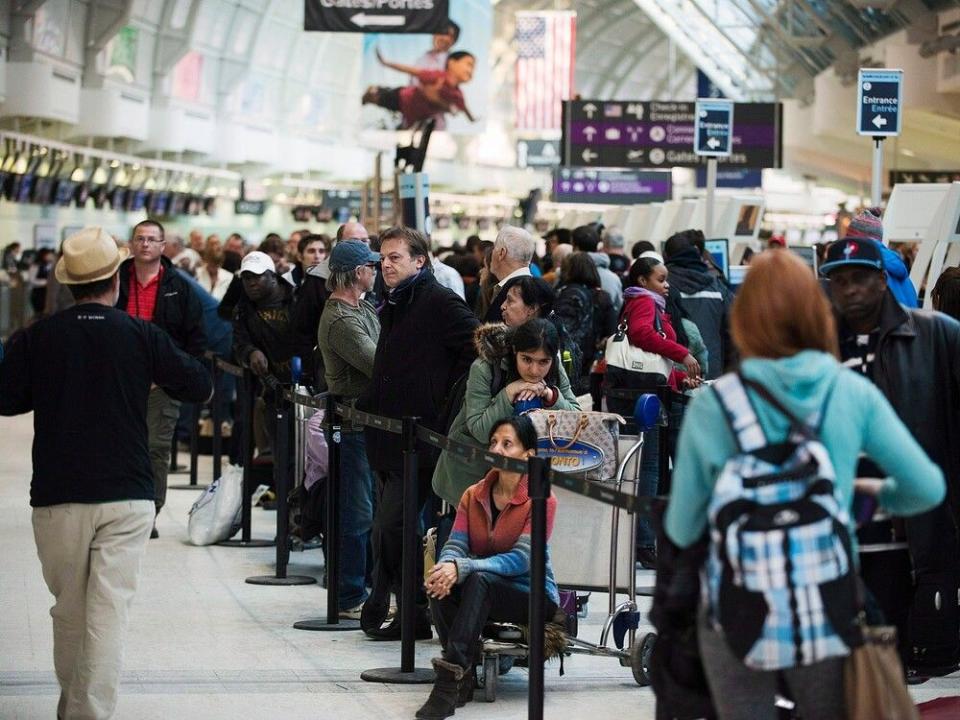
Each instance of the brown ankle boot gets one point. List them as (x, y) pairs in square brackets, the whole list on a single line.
[(442, 702)]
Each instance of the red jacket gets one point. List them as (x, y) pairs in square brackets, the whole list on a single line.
[(639, 314)]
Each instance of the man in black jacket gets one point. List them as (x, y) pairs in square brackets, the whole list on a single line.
[(425, 345), (150, 289), (912, 356), (706, 299), (85, 373)]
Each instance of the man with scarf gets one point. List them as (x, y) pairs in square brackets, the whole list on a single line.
[(425, 345), (705, 298)]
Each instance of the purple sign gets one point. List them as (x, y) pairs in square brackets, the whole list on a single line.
[(612, 187), (661, 134)]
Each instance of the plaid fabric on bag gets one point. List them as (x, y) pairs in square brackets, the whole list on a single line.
[(777, 530)]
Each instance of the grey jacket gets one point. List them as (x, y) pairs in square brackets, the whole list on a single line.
[(608, 279)]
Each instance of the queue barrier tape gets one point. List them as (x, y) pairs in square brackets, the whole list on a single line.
[(568, 481)]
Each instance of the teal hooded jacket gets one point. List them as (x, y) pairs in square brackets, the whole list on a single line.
[(857, 419)]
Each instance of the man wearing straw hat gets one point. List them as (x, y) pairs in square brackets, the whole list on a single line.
[(85, 373)]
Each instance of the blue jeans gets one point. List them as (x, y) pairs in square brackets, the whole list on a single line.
[(356, 518), (649, 481)]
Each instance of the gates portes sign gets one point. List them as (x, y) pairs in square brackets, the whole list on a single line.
[(375, 16), (628, 134), (879, 101), (713, 127)]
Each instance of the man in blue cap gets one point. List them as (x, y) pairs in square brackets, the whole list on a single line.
[(911, 355), (347, 337)]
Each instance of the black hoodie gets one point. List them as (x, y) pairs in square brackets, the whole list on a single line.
[(707, 301)]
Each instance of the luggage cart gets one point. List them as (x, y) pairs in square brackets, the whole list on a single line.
[(583, 523)]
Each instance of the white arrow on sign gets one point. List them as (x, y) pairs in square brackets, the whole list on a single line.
[(589, 155), (590, 109), (589, 131), (362, 20), (878, 121), (713, 143)]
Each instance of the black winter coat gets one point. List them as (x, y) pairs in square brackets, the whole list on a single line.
[(917, 368), (426, 344), (178, 310)]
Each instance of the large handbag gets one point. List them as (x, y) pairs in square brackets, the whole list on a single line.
[(873, 679), (632, 366), (578, 442)]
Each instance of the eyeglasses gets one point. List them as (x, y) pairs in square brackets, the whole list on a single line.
[(148, 241), (372, 266)]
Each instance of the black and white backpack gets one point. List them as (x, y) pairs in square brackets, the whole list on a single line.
[(780, 575)]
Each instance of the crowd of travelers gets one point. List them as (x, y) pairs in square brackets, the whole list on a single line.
[(841, 371)]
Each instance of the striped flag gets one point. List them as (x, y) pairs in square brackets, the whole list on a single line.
[(546, 48)]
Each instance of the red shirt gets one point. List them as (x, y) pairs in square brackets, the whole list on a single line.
[(415, 106), (143, 298)]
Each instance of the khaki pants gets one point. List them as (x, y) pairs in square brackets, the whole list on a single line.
[(90, 555), (162, 415)]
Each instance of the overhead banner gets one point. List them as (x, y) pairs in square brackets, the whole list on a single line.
[(408, 80), (612, 187), (654, 134), (375, 16)]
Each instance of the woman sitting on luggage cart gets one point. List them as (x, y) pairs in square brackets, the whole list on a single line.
[(483, 572), (766, 462)]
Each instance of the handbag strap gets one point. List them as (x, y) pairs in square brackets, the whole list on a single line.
[(552, 423)]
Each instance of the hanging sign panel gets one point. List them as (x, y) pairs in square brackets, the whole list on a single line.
[(375, 16), (661, 134), (612, 187)]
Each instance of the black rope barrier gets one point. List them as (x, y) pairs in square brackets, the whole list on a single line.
[(407, 674), (249, 398), (333, 622), (281, 479)]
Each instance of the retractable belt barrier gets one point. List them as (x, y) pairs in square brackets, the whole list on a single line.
[(537, 469)]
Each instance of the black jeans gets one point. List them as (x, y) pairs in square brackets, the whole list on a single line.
[(461, 615), (387, 534)]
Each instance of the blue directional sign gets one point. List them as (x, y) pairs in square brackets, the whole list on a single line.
[(879, 97), (713, 127)]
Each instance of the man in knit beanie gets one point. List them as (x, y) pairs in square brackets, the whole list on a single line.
[(866, 224)]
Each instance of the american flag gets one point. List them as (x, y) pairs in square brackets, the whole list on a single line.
[(546, 48)]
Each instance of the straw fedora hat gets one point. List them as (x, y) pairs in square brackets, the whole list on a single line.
[(88, 256)]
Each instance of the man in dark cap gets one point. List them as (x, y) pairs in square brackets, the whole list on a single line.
[(867, 225), (911, 355)]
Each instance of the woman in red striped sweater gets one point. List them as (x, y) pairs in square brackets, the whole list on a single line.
[(483, 571)]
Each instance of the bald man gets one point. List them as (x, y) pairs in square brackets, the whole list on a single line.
[(313, 291)]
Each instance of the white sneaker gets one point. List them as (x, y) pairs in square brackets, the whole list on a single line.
[(352, 613)]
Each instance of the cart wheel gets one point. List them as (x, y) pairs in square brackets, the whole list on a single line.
[(640, 653), (491, 669)]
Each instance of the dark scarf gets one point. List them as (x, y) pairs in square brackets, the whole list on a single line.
[(406, 288)]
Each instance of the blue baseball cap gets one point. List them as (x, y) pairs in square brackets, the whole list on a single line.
[(350, 254), (853, 251)]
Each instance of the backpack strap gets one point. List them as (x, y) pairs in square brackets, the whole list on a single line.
[(741, 416)]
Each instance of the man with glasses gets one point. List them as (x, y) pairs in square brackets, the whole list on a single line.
[(151, 290)]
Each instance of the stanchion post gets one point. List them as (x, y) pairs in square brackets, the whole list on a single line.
[(249, 402), (539, 488), (173, 452), (217, 441), (281, 479), (407, 673), (332, 552), (195, 441)]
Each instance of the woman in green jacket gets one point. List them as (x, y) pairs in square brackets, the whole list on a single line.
[(518, 364)]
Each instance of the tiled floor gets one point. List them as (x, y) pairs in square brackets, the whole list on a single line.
[(205, 645)]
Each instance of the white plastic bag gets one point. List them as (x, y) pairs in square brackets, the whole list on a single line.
[(215, 516)]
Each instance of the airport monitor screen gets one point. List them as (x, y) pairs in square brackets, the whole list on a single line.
[(720, 252), (747, 220), (808, 254)]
